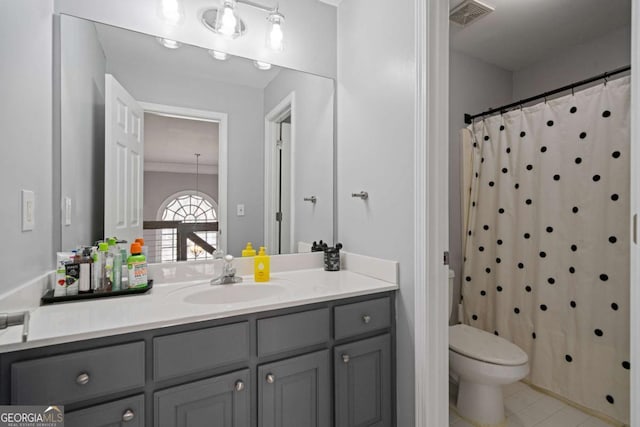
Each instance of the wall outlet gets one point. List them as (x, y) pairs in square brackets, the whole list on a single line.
[(28, 210), (240, 210)]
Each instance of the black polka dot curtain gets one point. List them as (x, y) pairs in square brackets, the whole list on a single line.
[(546, 258)]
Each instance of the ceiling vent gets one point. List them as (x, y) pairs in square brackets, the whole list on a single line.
[(469, 11)]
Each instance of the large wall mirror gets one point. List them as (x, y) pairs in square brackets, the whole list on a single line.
[(192, 149)]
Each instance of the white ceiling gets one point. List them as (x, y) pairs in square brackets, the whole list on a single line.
[(171, 140), (521, 32), (132, 48)]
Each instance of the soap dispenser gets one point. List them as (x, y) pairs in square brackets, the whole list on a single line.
[(261, 264), (248, 251)]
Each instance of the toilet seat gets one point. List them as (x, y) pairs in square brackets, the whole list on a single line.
[(484, 346)]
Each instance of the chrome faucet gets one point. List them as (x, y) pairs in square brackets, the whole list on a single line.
[(228, 275)]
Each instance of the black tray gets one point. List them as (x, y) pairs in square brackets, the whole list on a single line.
[(48, 298)]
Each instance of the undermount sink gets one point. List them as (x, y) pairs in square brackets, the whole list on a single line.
[(230, 294)]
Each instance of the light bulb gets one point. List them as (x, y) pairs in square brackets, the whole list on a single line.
[(275, 35), (220, 56), (171, 11), (264, 66), (229, 21)]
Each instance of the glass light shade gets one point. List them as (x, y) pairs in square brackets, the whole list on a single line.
[(264, 66), (275, 35), (168, 43), (220, 56), (227, 20), (171, 11)]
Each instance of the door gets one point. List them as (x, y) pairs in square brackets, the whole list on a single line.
[(121, 413), (363, 383), (295, 392), (124, 150), (222, 401)]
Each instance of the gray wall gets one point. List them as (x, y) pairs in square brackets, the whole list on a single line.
[(313, 152), (26, 40), (611, 51), (82, 66), (310, 29), (160, 185), (245, 137), (376, 92), (474, 86)]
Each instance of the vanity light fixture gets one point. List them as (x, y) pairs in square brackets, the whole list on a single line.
[(264, 66), (168, 43), (224, 20), (220, 56)]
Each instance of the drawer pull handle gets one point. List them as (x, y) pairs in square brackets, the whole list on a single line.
[(271, 378), (82, 379), (366, 318), (239, 385), (128, 415), (346, 358)]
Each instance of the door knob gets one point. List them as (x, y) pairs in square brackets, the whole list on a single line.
[(271, 378), (346, 358), (239, 385), (366, 318)]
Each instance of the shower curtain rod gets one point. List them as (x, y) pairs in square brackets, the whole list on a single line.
[(468, 118)]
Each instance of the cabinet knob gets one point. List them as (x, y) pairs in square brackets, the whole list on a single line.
[(128, 415), (271, 378), (346, 358), (82, 379), (239, 385), (366, 318)]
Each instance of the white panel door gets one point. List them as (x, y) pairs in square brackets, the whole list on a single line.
[(124, 148)]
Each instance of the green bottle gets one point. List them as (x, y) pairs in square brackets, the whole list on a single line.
[(137, 267)]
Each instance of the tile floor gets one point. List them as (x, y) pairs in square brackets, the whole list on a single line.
[(526, 407)]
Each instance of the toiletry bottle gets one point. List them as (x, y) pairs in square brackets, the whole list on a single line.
[(137, 266), (116, 272), (104, 284), (261, 266), (60, 287), (124, 276), (84, 284), (248, 250)]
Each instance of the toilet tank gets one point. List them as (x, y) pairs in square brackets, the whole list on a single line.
[(452, 275)]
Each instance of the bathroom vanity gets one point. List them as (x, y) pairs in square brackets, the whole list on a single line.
[(313, 353)]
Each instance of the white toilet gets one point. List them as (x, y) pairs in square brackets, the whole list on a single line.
[(482, 363)]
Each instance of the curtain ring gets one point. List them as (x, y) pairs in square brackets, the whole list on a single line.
[(605, 79), (572, 91)]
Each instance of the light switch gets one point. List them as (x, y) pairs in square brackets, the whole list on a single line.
[(28, 210), (67, 210), (240, 210)]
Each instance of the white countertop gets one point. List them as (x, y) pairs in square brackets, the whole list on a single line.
[(164, 306)]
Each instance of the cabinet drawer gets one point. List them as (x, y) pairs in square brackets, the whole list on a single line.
[(123, 413), (78, 376), (293, 331), (361, 317), (189, 352)]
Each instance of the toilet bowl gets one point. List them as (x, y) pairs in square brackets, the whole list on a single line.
[(483, 363)]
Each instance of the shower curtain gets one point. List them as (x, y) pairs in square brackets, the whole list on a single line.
[(547, 262)]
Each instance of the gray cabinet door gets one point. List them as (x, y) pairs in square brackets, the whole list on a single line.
[(222, 401), (295, 392), (363, 383), (121, 413)]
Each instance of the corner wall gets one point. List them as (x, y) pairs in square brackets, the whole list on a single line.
[(375, 128)]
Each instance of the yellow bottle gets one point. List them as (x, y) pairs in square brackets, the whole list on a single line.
[(248, 250), (261, 266)]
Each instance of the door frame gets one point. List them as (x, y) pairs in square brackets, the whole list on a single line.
[(271, 122), (222, 120), (431, 315)]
